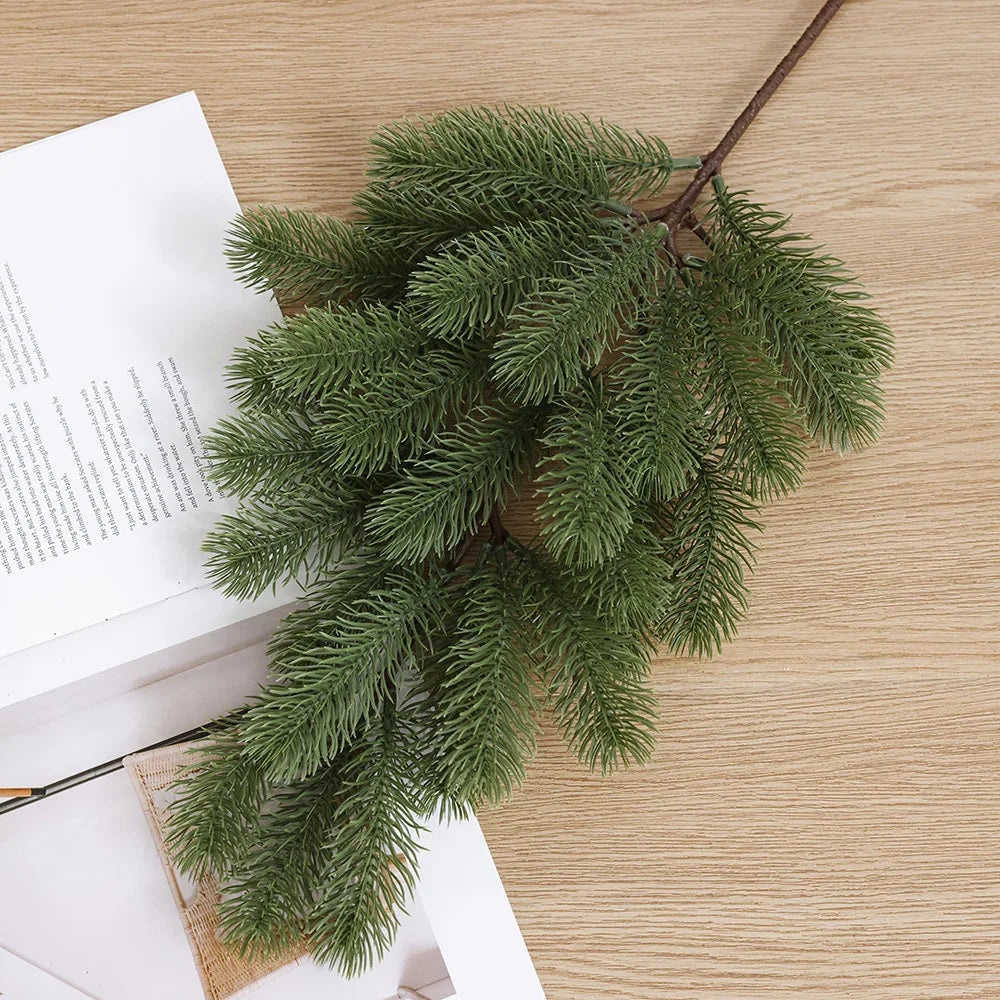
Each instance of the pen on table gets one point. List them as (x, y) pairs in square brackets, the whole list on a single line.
[(20, 793), (18, 797)]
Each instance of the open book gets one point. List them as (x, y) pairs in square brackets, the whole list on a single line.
[(118, 314)]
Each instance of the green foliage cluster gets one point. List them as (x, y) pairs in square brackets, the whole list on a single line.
[(496, 317)]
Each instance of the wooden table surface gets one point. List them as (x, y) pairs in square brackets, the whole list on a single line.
[(822, 817)]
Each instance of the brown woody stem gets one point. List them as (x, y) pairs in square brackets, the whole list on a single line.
[(676, 213), (498, 533)]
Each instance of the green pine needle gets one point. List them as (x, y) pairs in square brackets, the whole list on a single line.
[(401, 408), (291, 535), (220, 793), (419, 220), (654, 405), (707, 545), (304, 257), (323, 350), (267, 899), (446, 495), (256, 453), (339, 660), (587, 496), (487, 706), (371, 850), (553, 337), (744, 395), (632, 590), (471, 284), (812, 314), (598, 677), (522, 155)]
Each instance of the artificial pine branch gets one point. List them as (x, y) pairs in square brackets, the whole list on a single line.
[(551, 339), (305, 257), (440, 498), (500, 316), (742, 391), (258, 453), (310, 355), (289, 534), (631, 591), (587, 498), (341, 672), (595, 675), (401, 408), (655, 402), (269, 889), (219, 800), (486, 701), (370, 848), (474, 282), (705, 532), (811, 315)]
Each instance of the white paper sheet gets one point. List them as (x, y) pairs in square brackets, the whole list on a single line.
[(21, 981), (118, 314), (473, 922)]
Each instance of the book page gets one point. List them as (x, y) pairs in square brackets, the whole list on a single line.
[(19, 980), (118, 314)]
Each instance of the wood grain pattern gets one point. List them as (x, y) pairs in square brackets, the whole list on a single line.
[(822, 818)]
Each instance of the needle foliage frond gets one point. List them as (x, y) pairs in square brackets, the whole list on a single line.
[(445, 495), (319, 351), (471, 284), (706, 537), (487, 704), (587, 494), (338, 672), (401, 408), (812, 314), (553, 338), (304, 257), (521, 156), (289, 535), (597, 677), (219, 796), (372, 848)]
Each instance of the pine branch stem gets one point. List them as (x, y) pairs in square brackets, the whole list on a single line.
[(498, 533), (676, 212), (498, 536), (463, 551)]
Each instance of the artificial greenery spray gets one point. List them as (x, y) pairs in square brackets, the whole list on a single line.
[(498, 318)]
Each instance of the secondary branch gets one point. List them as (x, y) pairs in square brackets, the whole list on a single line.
[(676, 212)]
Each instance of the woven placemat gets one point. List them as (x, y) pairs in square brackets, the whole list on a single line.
[(223, 973)]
